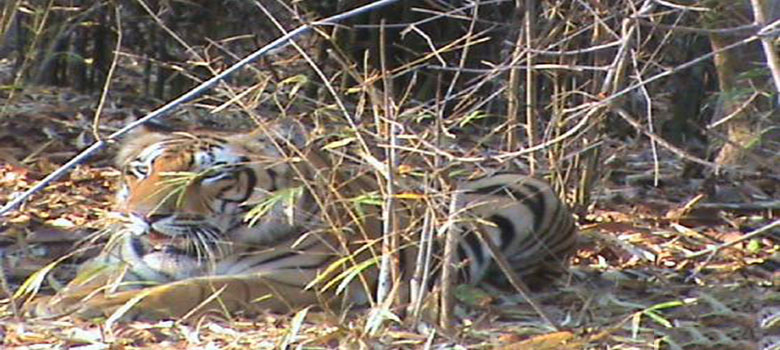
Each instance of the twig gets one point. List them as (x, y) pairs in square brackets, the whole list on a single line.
[(737, 111), (763, 205), (442, 15), (749, 235), (189, 95), (740, 30), (682, 7), (650, 122), (577, 52), (543, 66)]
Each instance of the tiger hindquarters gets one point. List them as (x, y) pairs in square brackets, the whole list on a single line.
[(526, 222)]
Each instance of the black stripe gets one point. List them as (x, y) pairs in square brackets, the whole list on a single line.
[(190, 161), (465, 271), (508, 233), (251, 180), (137, 246), (232, 182), (217, 139), (320, 264), (272, 175), (297, 252), (470, 238), (562, 229), (402, 264), (536, 201), (533, 198)]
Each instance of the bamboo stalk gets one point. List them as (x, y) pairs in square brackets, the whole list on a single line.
[(772, 58), (530, 82), (513, 85), (389, 237), (452, 237)]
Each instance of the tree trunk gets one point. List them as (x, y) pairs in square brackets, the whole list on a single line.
[(742, 76)]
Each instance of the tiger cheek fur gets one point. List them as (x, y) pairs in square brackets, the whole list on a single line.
[(187, 196), (150, 196)]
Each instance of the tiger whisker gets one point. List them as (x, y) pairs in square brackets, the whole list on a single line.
[(217, 241), (200, 245), (213, 239), (223, 247), (206, 246)]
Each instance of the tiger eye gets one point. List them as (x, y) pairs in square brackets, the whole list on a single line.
[(140, 170)]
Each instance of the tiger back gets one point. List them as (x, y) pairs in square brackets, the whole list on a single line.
[(186, 244)]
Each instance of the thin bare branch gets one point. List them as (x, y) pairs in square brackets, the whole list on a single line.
[(750, 235)]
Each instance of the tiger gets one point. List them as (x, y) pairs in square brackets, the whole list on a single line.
[(263, 221)]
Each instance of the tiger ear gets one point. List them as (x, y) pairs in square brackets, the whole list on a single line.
[(292, 132), (154, 126), (139, 138), (286, 133)]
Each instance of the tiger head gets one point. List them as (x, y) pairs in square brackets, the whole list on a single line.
[(184, 193)]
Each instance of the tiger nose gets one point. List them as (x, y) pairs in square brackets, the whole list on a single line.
[(148, 217), (153, 217)]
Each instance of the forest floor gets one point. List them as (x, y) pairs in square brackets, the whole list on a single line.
[(663, 265)]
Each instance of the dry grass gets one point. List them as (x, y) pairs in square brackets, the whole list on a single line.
[(549, 103)]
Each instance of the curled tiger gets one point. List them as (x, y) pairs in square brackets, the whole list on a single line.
[(220, 222)]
